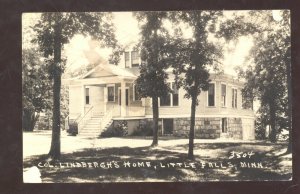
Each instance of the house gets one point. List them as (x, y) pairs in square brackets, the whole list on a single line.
[(106, 95)]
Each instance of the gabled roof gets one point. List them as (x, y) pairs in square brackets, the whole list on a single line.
[(107, 70)]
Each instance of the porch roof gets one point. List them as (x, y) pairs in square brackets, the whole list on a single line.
[(107, 70), (102, 74)]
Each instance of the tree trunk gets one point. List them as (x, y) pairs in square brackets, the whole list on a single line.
[(29, 119), (192, 129), (54, 152), (273, 133), (155, 121)]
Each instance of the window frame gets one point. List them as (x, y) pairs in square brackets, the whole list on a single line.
[(114, 89), (129, 60), (234, 94), (171, 97), (225, 102), (215, 93)]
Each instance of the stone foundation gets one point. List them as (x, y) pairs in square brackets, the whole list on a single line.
[(235, 127), (205, 128)]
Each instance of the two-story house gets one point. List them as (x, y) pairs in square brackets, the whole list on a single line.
[(106, 95)]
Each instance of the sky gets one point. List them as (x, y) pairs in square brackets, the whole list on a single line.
[(127, 32), (83, 50)]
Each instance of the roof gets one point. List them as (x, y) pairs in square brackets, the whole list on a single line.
[(108, 70)]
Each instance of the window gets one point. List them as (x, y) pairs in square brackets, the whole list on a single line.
[(127, 60), (135, 58), (87, 96), (111, 93), (165, 100), (223, 95), (234, 98), (175, 95), (136, 95), (168, 126), (171, 99), (211, 95)]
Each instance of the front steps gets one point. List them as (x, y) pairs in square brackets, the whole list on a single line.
[(93, 128)]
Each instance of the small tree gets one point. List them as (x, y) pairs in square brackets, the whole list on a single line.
[(53, 31), (199, 54), (152, 79)]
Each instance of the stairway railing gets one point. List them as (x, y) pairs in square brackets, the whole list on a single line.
[(106, 118), (87, 116)]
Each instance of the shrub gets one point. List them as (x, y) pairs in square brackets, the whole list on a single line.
[(73, 128), (120, 130), (144, 129)]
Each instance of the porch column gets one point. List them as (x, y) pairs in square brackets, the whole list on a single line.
[(123, 99), (83, 99)]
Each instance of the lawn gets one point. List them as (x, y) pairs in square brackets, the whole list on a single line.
[(132, 160)]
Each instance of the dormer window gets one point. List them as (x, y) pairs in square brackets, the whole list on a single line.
[(135, 59), (127, 59)]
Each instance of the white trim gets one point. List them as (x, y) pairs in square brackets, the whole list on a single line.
[(114, 86), (215, 93)]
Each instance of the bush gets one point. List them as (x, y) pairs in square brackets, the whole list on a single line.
[(73, 128), (118, 131), (144, 129)]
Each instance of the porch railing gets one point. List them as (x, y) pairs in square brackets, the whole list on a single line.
[(87, 116), (135, 111)]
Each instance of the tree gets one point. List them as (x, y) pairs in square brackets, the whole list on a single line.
[(36, 86), (200, 53), (152, 79), (53, 31), (270, 77)]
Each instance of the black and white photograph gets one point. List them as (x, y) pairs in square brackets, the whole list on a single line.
[(157, 96)]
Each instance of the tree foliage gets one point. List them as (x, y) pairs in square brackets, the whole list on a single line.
[(53, 31), (198, 54), (36, 88), (152, 81), (267, 78)]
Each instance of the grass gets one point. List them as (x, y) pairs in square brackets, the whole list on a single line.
[(209, 156)]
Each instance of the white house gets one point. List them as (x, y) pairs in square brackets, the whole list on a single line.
[(107, 95)]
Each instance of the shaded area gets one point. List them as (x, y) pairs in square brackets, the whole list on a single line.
[(211, 164)]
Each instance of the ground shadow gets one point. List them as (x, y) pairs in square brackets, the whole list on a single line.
[(205, 167)]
